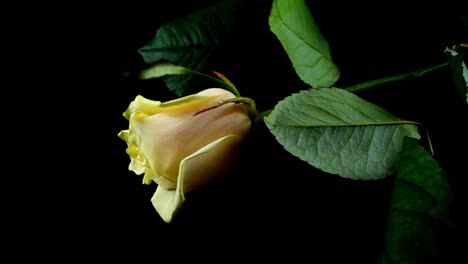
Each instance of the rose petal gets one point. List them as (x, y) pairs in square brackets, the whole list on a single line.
[(168, 137), (201, 168)]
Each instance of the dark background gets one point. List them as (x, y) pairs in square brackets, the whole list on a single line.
[(274, 205)]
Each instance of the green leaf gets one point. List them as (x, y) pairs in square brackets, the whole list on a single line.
[(340, 133), (163, 69), (459, 71), (419, 210), (191, 41), (308, 50)]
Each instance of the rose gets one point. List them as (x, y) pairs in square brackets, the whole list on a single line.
[(183, 144)]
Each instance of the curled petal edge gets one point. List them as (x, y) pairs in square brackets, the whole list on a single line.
[(167, 202)]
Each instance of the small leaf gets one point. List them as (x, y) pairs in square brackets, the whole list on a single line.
[(340, 133), (191, 41), (419, 209), (459, 71), (163, 69), (308, 50)]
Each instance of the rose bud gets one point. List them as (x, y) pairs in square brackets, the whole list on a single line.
[(184, 144)]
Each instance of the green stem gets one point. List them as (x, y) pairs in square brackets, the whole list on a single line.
[(229, 87), (265, 113), (259, 117), (394, 78)]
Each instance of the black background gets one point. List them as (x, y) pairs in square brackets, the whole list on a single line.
[(274, 205)]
